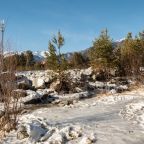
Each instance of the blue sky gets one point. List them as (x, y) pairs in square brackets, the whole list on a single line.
[(31, 23)]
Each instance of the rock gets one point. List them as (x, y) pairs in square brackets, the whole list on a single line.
[(93, 77), (113, 91), (72, 132), (77, 89), (99, 84), (30, 96), (23, 82), (47, 79), (45, 91), (88, 139), (38, 83), (33, 130), (88, 71), (48, 134), (22, 133), (54, 84), (122, 88), (101, 76), (85, 140), (57, 138)]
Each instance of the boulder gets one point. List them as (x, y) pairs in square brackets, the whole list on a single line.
[(57, 138), (48, 134), (22, 133), (31, 95), (38, 83), (72, 132), (88, 139), (34, 131), (23, 82)]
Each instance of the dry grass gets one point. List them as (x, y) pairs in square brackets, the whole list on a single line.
[(8, 120)]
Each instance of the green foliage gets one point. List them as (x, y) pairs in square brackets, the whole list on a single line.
[(101, 54), (29, 58), (55, 60), (23, 61), (78, 61), (130, 55), (64, 63), (52, 58)]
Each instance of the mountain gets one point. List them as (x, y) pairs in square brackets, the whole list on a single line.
[(41, 55)]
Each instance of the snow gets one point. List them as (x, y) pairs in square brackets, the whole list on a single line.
[(30, 95), (135, 112), (120, 40), (38, 82), (88, 139), (102, 119), (98, 123), (115, 99)]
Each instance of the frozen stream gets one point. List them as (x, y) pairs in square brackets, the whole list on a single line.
[(93, 116)]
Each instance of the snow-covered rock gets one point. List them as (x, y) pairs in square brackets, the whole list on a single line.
[(30, 95), (57, 138), (54, 84), (34, 131), (22, 132), (39, 78), (72, 132), (23, 82), (87, 71), (38, 83), (48, 134), (88, 139)]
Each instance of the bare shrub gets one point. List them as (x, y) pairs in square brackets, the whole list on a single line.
[(7, 96)]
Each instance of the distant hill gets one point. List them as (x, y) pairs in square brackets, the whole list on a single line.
[(40, 55)]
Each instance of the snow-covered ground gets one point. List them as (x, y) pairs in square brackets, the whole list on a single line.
[(112, 119)]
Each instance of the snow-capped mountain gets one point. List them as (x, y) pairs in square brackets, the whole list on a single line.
[(120, 40), (38, 55), (41, 55)]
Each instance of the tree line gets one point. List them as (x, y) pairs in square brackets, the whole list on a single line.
[(125, 58)]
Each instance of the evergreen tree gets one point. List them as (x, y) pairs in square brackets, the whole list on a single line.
[(22, 60), (58, 42), (131, 55), (64, 63), (29, 58), (77, 60), (52, 59), (101, 53)]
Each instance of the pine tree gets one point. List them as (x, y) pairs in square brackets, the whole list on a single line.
[(64, 63), (52, 59), (131, 55), (29, 58), (22, 60), (77, 60), (101, 53), (58, 42)]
